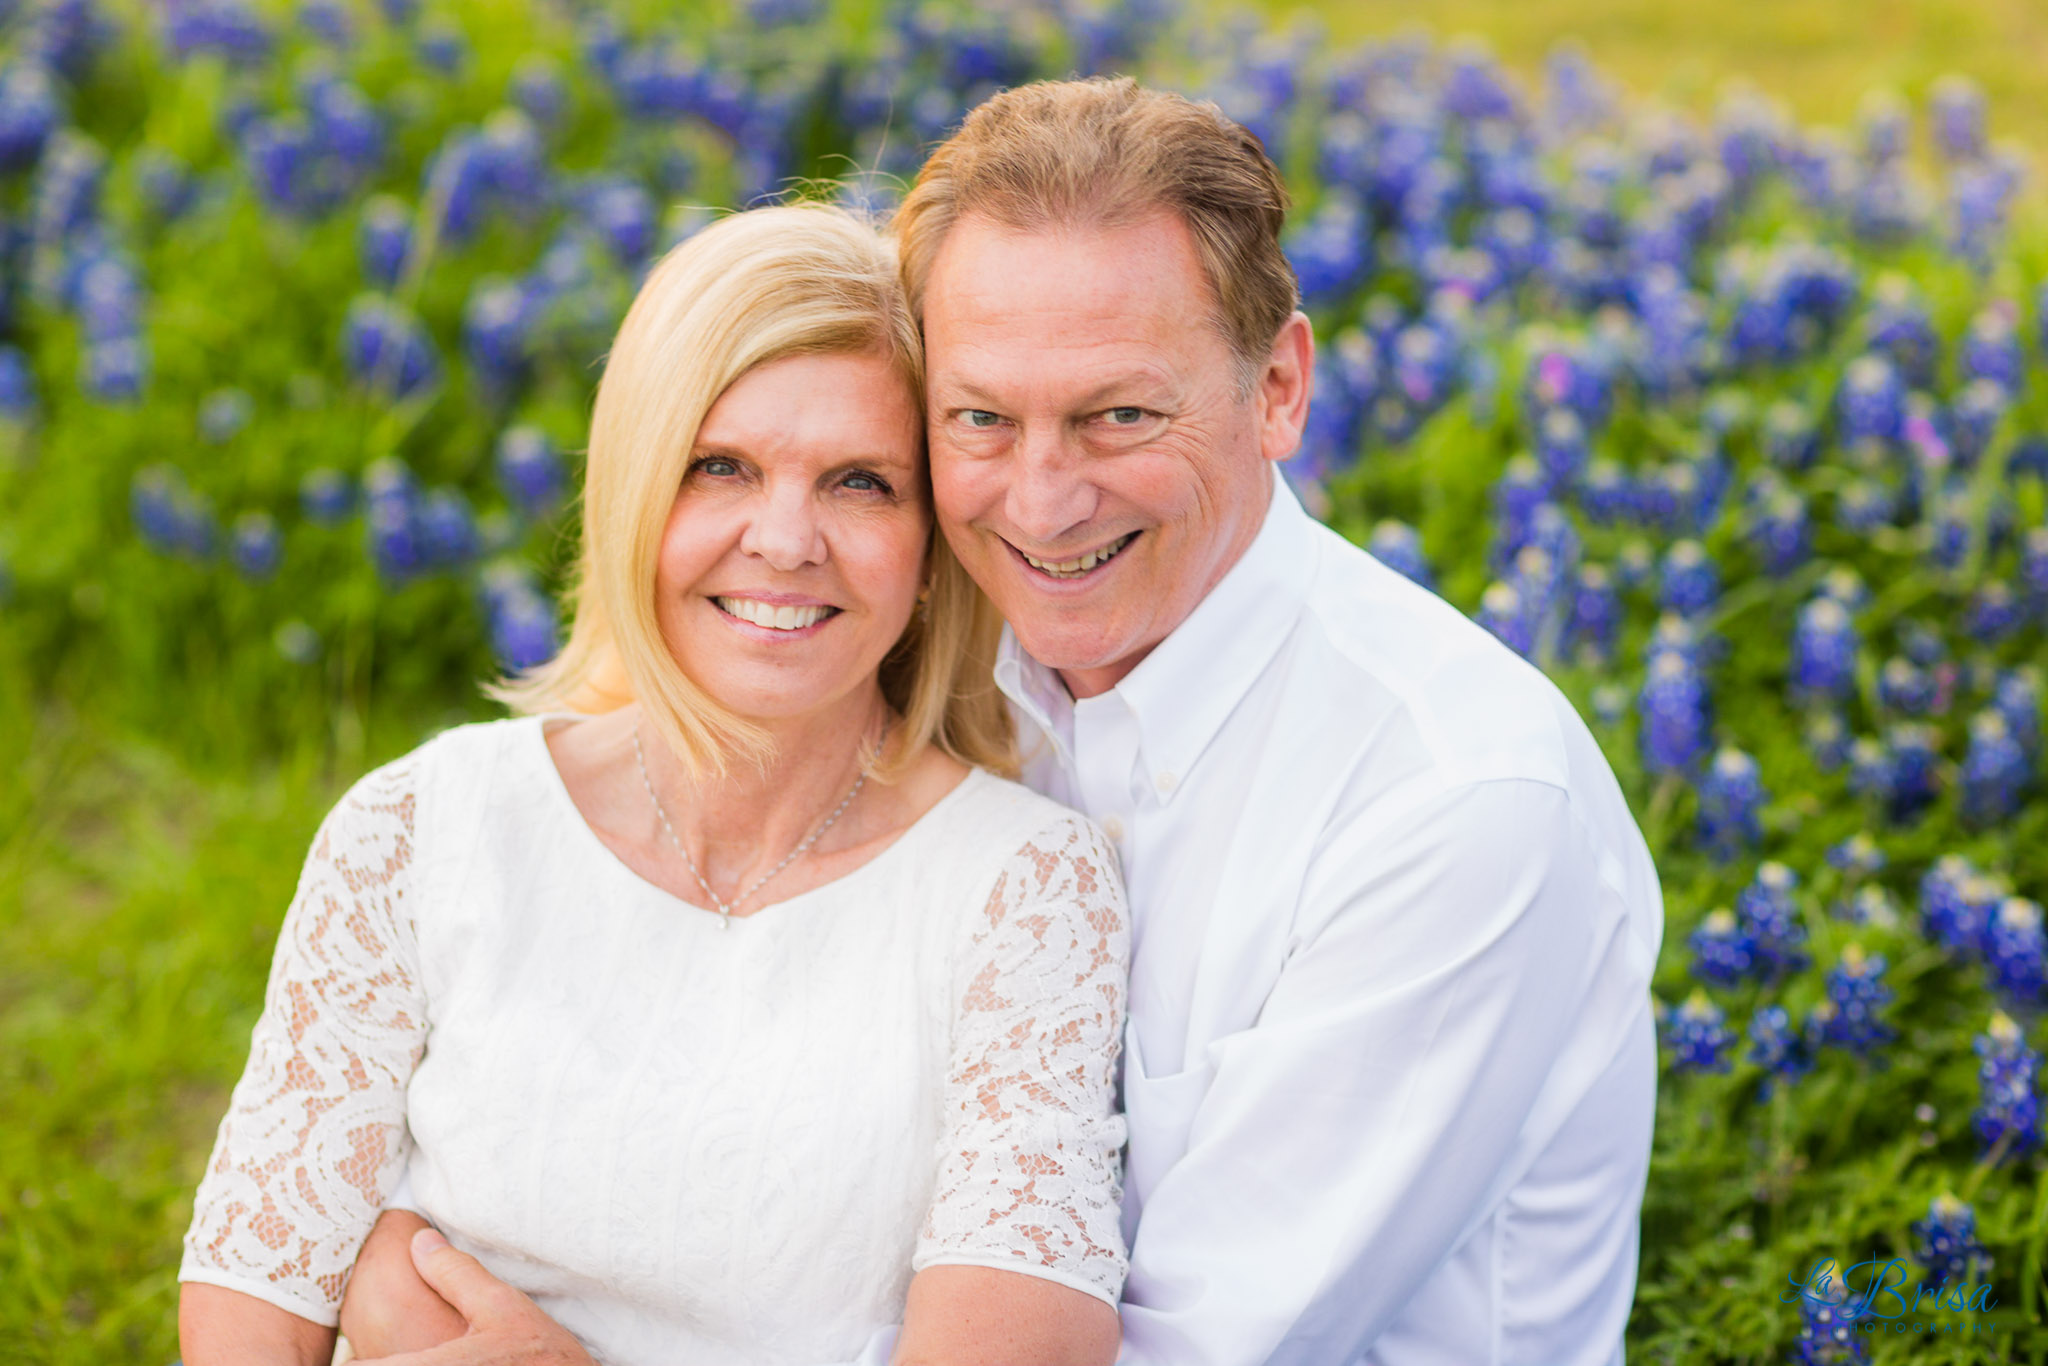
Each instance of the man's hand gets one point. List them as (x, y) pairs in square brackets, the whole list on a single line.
[(505, 1327)]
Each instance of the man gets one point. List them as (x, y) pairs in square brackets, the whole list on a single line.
[(1390, 1067)]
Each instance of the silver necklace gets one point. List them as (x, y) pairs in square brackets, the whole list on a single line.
[(725, 908)]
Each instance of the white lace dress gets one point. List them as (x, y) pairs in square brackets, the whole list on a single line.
[(690, 1142)]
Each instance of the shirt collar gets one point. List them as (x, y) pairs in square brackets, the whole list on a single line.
[(1183, 691)]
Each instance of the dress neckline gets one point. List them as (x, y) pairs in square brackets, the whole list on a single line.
[(558, 793)]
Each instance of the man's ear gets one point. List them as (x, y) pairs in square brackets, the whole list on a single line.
[(1284, 389)]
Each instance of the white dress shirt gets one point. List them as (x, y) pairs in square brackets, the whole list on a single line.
[(1390, 1066)]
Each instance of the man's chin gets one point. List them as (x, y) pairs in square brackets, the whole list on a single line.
[(1092, 660)]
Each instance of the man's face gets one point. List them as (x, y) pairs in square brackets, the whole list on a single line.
[(1093, 464)]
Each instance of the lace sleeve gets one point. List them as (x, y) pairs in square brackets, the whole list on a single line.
[(315, 1132), (1029, 1178)]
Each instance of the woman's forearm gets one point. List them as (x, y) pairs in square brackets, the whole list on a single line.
[(222, 1327)]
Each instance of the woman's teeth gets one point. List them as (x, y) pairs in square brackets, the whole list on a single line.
[(1073, 569), (773, 617)]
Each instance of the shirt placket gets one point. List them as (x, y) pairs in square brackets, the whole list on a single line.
[(1105, 762)]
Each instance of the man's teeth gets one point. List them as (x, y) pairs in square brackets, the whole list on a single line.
[(1069, 569), (773, 617)]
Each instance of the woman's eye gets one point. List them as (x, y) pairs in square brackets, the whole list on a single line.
[(717, 466), (980, 417), (1126, 417)]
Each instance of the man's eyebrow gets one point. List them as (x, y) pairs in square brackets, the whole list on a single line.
[(1151, 385)]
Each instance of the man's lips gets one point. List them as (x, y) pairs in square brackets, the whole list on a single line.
[(1079, 566)]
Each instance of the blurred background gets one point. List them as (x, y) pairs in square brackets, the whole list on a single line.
[(1695, 350)]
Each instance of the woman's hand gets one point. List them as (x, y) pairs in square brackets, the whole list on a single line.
[(979, 1316), (505, 1328), (389, 1308)]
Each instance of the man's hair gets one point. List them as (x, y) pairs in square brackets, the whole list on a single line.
[(1106, 152)]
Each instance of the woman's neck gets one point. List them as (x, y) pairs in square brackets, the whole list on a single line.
[(738, 825)]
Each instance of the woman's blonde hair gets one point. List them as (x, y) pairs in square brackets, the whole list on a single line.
[(793, 279)]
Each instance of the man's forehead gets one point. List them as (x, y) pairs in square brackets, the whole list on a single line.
[(1073, 289)]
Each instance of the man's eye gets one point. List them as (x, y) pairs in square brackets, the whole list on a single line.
[(862, 482), (980, 417), (1126, 417)]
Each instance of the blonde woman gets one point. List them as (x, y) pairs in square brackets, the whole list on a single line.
[(727, 1000)]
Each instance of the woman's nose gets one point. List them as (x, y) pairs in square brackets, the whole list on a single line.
[(785, 530)]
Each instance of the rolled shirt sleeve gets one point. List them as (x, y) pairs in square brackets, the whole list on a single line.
[(1352, 1138)]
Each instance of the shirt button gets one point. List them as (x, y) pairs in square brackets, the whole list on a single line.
[(1164, 782), (1114, 828)]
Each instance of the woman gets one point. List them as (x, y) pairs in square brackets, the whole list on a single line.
[(726, 1001)]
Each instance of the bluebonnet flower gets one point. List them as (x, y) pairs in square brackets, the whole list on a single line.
[(391, 514), (1899, 327), (1995, 611), (1516, 495), (1915, 769), (1947, 916), (1858, 856), (1995, 771), (1828, 1316), (172, 518), (116, 371), (1780, 531), (1789, 437), (224, 413), (1871, 769), (18, 400), (256, 546), (1425, 366), (1698, 1036), (497, 333), (1991, 348), (221, 26), (1946, 1242), (30, 110), (1690, 580), (2015, 952), (1769, 914), (1863, 505), (1722, 951), (2034, 568), (1856, 995), (1731, 796), (386, 348), (2008, 1115), (624, 213), (1503, 611), (1827, 739), (1974, 419), (1871, 403), (1904, 687), (1560, 446), (328, 20), (1870, 905), (1330, 249), (1824, 649), (1595, 616), (538, 91), (384, 238), (440, 44), (446, 527), (1673, 707), (530, 470), (2017, 697), (325, 496), (1607, 494), (1634, 565), (1783, 1051), (1956, 107)]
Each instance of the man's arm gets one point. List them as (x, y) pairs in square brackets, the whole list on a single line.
[(1349, 1140)]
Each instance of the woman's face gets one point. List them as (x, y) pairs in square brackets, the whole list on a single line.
[(796, 545)]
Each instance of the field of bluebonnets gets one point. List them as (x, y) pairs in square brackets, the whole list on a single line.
[(1735, 428)]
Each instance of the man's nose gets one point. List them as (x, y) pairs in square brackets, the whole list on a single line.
[(786, 529), (1049, 492)]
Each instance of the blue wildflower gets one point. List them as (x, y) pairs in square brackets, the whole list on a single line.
[(1698, 1036), (325, 496), (1995, 771), (1769, 914), (383, 238), (1915, 770), (1827, 1327), (1723, 952), (223, 414), (1828, 740), (1904, 687), (1946, 1242), (1783, 1051), (386, 348), (1859, 856), (1856, 995), (1504, 612), (530, 470), (2015, 952), (1673, 706), (1731, 796), (256, 547), (1871, 403), (1824, 648), (2008, 1115)]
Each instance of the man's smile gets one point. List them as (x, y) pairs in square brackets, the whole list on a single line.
[(1081, 565)]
